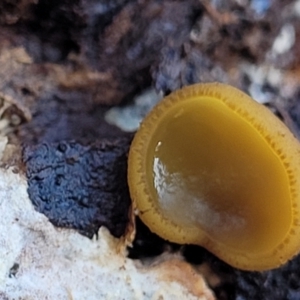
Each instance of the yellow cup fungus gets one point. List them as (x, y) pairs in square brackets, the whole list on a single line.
[(212, 167)]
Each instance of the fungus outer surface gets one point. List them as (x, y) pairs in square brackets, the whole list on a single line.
[(210, 166)]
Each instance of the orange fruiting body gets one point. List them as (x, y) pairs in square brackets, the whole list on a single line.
[(212, 167)]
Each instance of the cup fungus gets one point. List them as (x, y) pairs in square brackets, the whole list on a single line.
[(212, 167)]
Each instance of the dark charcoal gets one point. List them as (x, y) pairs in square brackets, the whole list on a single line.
[(80, 187), (61, 24), (67, 116), (281, 283)]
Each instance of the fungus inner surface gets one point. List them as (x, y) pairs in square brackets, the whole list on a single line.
[(211, 172)]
